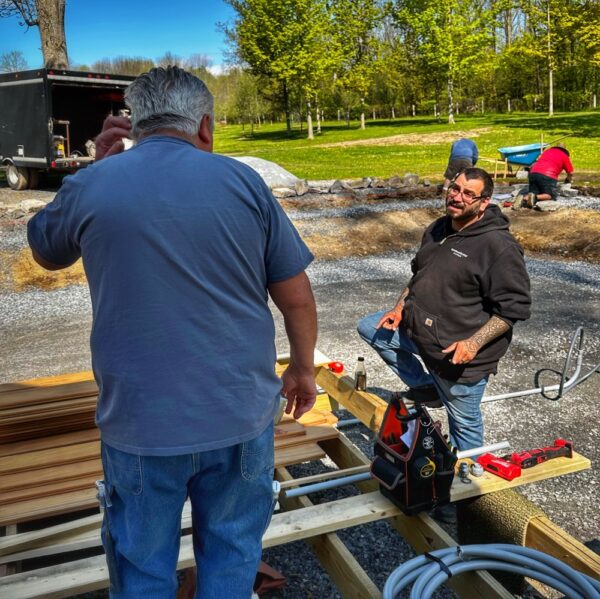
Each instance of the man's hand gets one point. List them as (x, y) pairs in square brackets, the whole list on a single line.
[(569, 179), (300, 390), (391, 320), (464, 351), (109, 141)]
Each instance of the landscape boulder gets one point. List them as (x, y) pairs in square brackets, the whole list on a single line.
[(547, 206), (339, 186), (301, 186), (410, 179), (283, 192), (396, 182)]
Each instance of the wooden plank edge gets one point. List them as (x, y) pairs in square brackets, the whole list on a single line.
[(544, 535)]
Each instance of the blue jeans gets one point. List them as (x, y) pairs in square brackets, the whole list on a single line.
[(461, 400), (231, 493)]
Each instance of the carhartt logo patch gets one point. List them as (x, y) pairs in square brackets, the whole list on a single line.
[(459, 254), (428, 322)]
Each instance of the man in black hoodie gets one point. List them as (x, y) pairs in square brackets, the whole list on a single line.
[(469, 287)]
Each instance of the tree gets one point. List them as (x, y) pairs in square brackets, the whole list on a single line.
[(49, 17), (123, 65), (354, 22), (12, 61), (284, 40), (449, 37), (168, 58)]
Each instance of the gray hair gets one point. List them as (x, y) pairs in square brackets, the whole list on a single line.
[(168, 98)]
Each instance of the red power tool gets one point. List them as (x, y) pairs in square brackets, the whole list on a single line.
[(527, 459), (499, 466)]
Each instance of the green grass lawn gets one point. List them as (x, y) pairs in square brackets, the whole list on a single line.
[(427, 156)]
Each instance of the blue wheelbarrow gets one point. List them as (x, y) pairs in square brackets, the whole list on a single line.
[(522, 155), (525, 156)]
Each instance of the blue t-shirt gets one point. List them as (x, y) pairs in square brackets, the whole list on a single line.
[(178, 246), (465, 148)]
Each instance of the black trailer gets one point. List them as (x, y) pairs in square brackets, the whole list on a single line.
[(49, 118)]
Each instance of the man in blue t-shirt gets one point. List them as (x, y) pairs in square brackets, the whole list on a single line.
[(182, 249), (463, 155)]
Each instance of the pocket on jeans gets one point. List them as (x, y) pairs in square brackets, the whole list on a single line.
[(257, 455), (122, 470)]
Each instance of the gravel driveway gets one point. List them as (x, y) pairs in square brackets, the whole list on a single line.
[(45, 333)]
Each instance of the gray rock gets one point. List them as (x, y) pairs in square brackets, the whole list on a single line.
[(379, 183), (321, 186), (396, 182), (339, 186), (358, 183), (31, 205), (301, 187), (273, 174), (283, 192), (411, 179), (568, 192), (547, 206)]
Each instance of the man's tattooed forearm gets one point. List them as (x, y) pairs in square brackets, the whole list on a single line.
[(402, 297), (492, 329)]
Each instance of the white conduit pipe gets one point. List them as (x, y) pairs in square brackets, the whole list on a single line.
[(565, 384), (429, 571), (356, 478)]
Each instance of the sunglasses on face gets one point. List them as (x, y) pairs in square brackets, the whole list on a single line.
[(468, 195)]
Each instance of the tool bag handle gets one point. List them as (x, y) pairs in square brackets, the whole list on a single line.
[(387, 474)]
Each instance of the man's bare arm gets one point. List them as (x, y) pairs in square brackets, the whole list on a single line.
[(466, 350), (295, 300), (391, 320)]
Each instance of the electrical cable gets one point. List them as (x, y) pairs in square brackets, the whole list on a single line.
[(429, 571)]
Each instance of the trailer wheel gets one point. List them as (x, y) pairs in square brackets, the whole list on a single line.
[(17, 177)]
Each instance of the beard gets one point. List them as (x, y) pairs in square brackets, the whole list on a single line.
[(463, 213)]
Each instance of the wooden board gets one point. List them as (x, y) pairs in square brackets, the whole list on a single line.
[(489, 483)]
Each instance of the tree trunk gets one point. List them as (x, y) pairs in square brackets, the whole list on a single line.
[(393, 113), (508, 27), (309, 123), (319, 118), (51, 23), (550, 74), (362, 113), (450, 101), (286, 103)]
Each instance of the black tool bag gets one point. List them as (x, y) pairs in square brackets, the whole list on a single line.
[(413, 462)]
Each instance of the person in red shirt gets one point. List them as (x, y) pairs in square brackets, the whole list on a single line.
[(543, 175)]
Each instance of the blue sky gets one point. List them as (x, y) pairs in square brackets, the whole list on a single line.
[(111, 28)]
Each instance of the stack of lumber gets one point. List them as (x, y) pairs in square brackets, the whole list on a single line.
[(47, 406), (55, 472)]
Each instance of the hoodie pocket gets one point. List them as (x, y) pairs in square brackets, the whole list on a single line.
[(425, 329)]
